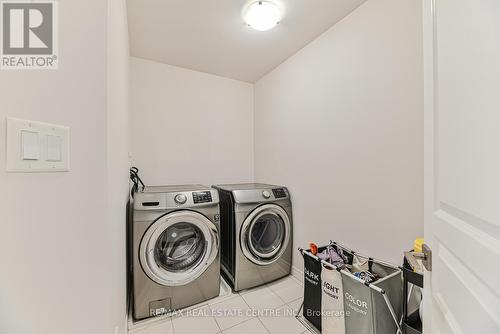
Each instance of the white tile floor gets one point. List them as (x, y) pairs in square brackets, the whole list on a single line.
[(268, 309)]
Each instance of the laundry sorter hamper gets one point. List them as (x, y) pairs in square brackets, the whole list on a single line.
[(368, 308)]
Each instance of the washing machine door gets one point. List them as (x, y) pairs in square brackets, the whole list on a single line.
[(178, 248), (265, 234)]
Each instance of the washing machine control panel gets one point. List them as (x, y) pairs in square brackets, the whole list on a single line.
[(279, 193), (202, 197)]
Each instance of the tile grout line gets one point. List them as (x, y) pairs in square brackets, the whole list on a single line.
[(276, 294), (286, 303), (172, 325), (216, 322), (229, 297), (247, 320), (238, 294), (293, 301), (265, 327), (265, 285), (267, 330)]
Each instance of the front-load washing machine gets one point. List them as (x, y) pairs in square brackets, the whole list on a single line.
[(256, 233), (175, 251)]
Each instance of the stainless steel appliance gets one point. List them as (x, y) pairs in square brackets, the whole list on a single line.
[(256, 233), (175, 251)]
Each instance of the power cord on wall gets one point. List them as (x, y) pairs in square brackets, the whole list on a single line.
[(135, 178)]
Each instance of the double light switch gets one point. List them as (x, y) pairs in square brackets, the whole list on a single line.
[(36, 146)]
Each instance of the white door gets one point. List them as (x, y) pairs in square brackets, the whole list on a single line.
[(462, 169)]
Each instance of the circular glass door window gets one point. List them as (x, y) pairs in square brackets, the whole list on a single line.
[(266, 235), (180, 247)]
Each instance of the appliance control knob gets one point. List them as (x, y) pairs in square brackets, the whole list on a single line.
[(180, 199), (266, 194)]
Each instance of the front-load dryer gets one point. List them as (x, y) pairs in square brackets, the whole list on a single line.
[(175, 248), (256, 233)]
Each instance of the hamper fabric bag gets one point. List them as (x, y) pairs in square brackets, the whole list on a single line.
[(373, 308), (358, 306), (332, 302), (312, 290)]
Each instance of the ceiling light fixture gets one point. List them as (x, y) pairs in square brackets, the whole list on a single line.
[(262, 15)]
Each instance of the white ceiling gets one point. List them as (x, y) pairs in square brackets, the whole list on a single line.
[(210, 35)]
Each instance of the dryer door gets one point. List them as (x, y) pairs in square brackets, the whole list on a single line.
[(265, 234), (178, 248)]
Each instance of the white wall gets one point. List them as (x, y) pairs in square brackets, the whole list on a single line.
[(117, 157), (340, 123), (61, 264), (189, 127)]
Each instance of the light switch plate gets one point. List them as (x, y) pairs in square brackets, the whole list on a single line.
[(53, 149)]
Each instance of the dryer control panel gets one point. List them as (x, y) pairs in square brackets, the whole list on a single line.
[(202, 197)]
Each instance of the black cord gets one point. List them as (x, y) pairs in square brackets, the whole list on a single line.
[(136, 179)]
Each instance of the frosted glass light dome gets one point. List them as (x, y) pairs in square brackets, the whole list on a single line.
[(262, 15)]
